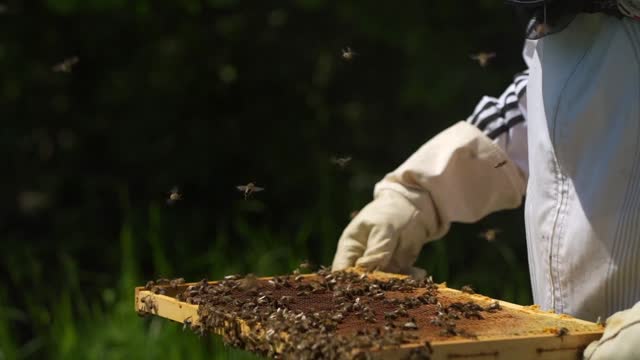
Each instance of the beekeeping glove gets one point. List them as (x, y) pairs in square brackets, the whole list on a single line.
[(459, 175), (620, 338), (388, 233)]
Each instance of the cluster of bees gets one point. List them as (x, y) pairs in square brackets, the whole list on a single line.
[(160, 286), (306, 316), (446, 316), (149, 306)]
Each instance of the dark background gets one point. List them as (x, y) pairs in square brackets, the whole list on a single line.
[(207, 95)]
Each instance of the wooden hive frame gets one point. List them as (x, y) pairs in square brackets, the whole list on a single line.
[(543, 345)]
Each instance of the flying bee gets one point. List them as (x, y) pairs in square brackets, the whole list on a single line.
[(248, 189), (342, 162), (348, 54), (483, 58), (66, 65), (305, 265), (174, 195), (500, 164), (489, 234)]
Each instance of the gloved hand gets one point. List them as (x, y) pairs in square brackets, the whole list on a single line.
[(387, 234), (620, 338), (459, 175)]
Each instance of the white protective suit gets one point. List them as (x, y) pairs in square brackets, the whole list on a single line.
[(578, 152), (583, 195)]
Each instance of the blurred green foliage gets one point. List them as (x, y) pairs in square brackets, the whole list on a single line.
[(208, 95)]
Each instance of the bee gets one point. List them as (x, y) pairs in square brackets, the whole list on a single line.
[(175, 282), (150, 305), (342, 162), (66, 65), (449, 330), (248, 189), (483, 58), (149, 285), (186, 323), (493, 307), (370, 318), (500, 164), (201, 331), (305, 265), (174, 195), (422, 352), (162, 281), (542, 29), (401, 312), (158, 290), (473, 315), (348, 54), (410, 325), (391, 315), (467, 289), (560, 332), (276, 285), (249, 282), (489, 234)]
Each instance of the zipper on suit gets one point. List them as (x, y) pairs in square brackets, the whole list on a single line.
[(561, 202)]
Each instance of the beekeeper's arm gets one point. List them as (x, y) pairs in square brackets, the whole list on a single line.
[(467, 171)]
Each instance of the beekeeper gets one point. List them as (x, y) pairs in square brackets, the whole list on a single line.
[(566, 133)]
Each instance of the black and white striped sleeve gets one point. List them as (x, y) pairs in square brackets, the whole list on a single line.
[(503, 120)]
